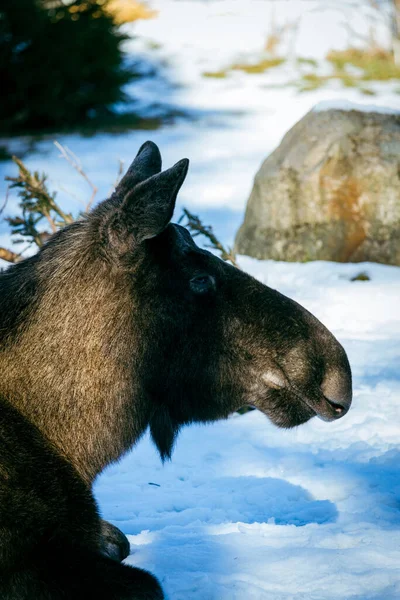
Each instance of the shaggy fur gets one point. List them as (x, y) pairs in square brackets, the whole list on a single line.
[(118, 324)]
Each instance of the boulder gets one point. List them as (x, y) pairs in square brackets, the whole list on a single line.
[(330, 191)]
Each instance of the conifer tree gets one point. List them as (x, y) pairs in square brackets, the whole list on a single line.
[(61, 63)]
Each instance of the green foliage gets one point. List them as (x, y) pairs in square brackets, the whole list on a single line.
[(310, 62), (363, 276), (310, 82), (260, 66), (375, 64), (367, 91), (216, 74), (353, 67), (60, 63)]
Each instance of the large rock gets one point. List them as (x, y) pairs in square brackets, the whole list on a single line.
[(330, 191)]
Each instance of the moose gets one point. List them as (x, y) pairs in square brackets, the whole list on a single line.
[(118, 324)]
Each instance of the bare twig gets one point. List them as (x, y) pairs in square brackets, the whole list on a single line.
[(118, 177), (73, 160), (353, 34), (50, 221), (68, 192), (121, 164), (5, 200)]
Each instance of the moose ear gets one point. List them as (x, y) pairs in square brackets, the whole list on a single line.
[(147, 208), (146, 164)]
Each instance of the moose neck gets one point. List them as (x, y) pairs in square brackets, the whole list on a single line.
[(71, 371)]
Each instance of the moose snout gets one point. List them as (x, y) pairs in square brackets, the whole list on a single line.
[(337, 391), (317, 374), (332, 399), (295, 367)]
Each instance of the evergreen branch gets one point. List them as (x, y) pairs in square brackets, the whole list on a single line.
[(36, 203), (195, 225), (35, 195)]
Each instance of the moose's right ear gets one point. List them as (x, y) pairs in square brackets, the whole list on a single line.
[(145, 211)]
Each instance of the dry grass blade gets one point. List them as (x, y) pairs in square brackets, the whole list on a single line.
[(75, 163)]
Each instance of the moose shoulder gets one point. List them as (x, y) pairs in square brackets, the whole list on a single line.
[(121, 323)]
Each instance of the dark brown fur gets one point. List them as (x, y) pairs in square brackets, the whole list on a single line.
[(121, 323)]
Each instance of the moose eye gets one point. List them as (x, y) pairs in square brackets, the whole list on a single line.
[(201, 284)]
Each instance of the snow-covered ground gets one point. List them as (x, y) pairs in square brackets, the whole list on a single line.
[(246, 511)]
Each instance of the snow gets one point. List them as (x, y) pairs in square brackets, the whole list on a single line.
[(246, 511)]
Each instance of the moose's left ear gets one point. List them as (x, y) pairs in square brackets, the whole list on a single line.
[(148, 208)]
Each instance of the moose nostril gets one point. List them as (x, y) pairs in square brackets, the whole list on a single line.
[(337, 391), (338, 408)]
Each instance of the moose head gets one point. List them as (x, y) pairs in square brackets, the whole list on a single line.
[(121, 323)]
